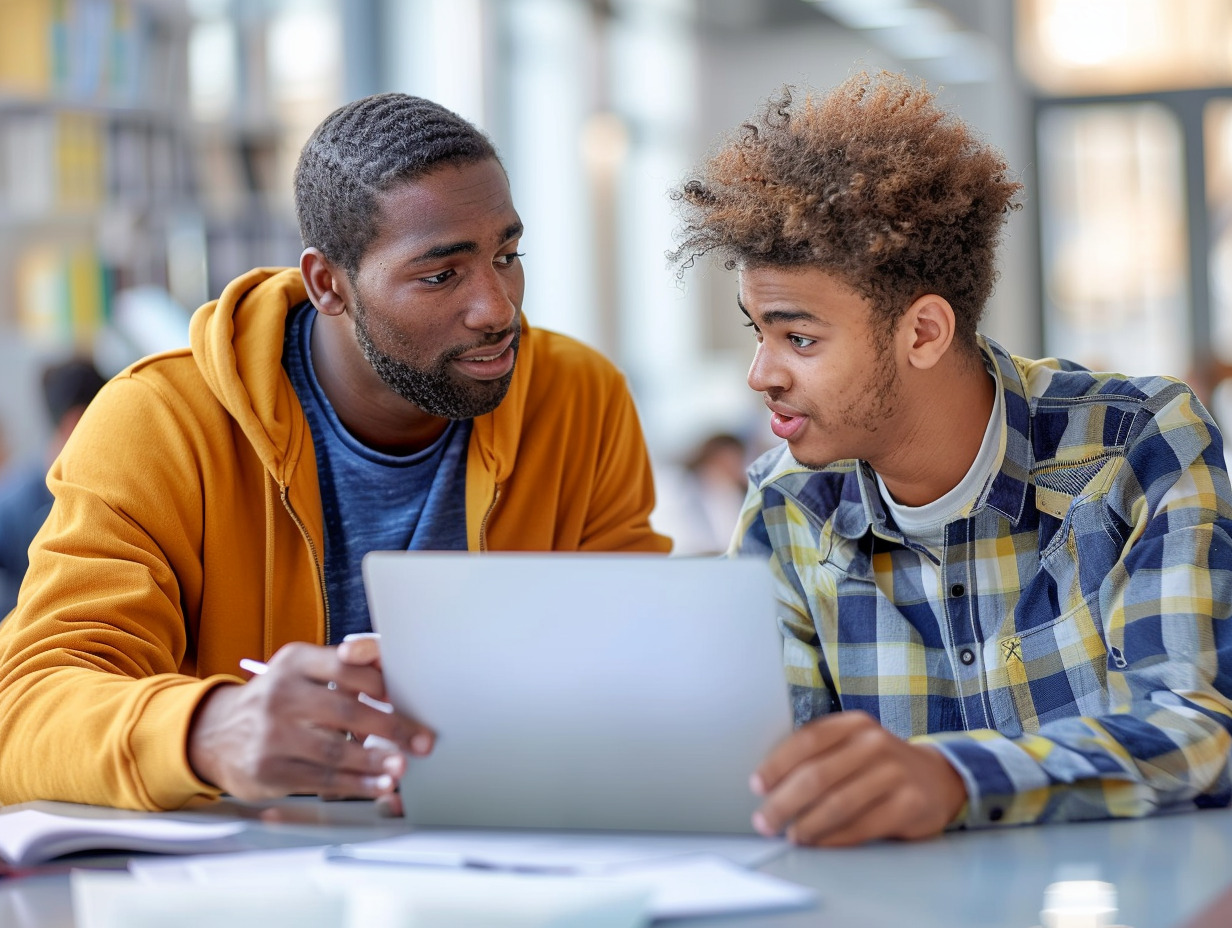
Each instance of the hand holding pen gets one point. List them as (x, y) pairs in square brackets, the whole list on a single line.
[(286, 731), (256, 668)]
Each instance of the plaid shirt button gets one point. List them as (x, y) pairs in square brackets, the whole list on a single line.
[(967, 656)]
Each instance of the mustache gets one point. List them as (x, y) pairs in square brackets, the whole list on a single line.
[(491, 338)]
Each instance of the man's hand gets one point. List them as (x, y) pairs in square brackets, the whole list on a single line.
[(844, 779), (300, 728)]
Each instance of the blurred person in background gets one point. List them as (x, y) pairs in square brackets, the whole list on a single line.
[(25, 501), (1005, 585), (700, 499), (216, 502)]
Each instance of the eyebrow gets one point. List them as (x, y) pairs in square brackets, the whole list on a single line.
[(778, 316), (512, 231)]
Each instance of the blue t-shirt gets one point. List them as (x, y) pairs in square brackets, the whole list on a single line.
[(373, 501)]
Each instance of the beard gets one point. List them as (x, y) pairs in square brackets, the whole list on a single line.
[(438, 389), (877, 399)]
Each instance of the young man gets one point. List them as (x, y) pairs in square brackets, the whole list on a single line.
[(215, 503), (1014, 577)]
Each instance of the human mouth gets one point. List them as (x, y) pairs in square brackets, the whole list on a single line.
[(785, 423), (489, 362)]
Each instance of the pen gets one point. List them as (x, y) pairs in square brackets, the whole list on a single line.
[(259, 667), (255, 667), (358, 854)]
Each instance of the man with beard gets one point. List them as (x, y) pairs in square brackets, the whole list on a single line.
[(1004, 584), (215, 503)]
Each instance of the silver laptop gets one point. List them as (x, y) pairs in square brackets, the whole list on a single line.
[(594, 691)]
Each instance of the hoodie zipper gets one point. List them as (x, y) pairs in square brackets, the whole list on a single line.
[(316, 561), (483, 526)]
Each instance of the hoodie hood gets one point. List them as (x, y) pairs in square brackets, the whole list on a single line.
[(236, 341)]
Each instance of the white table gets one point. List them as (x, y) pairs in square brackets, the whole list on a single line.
[(1166, 870)]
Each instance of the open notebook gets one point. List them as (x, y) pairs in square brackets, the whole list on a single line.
[(30, 836)]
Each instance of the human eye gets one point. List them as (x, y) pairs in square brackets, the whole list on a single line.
[(510, 259), (753, 325), (437, 279), (801, 341)]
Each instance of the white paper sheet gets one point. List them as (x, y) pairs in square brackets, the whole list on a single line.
[(685, 875), (451, 900), (677, 887)]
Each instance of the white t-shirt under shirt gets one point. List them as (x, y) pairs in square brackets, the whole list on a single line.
[(926, 524)]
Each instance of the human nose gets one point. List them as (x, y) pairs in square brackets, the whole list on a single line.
[(765, 374), (495, 303)]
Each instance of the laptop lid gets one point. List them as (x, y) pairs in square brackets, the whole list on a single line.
[(596, 691)]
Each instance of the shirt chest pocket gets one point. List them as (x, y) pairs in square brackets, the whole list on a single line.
[(1057, 670)]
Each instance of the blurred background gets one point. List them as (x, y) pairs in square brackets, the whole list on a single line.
[(146, 149)]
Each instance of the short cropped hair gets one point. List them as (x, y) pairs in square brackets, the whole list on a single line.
[(364, 148), (871, 182), (69, 385)]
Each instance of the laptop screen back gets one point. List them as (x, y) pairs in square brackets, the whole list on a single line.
[(580, 690)]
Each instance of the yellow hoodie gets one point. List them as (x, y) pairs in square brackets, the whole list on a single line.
[(187, 533)]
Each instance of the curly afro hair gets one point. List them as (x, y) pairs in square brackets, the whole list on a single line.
[(364, 148), (871, 182)]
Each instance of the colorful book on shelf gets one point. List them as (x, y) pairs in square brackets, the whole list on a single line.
[(63, 293), (79, 147), (31, 176), (31, 836), (96, 51), (25, 47), (53, 161)]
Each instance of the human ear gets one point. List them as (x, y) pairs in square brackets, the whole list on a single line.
[(328, 287), (929, 328)]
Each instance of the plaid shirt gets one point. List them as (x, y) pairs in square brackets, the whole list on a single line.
[(1076, 659)]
